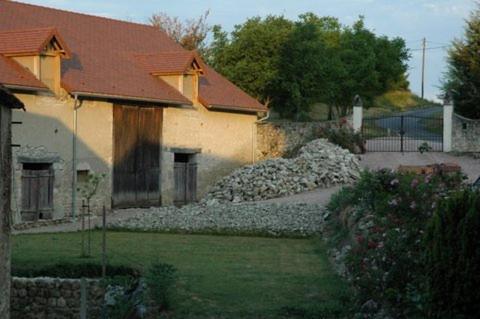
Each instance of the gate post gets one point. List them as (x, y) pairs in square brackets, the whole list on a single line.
[(357, 114), (447, 122)]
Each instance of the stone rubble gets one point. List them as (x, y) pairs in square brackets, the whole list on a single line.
[(246, 218), (319, 164)]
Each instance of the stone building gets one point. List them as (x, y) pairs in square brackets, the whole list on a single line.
[(117, 98), (7, 102)]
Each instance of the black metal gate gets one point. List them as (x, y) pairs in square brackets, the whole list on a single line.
[(403, 133)]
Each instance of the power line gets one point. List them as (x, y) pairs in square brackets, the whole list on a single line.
[(431, 48)]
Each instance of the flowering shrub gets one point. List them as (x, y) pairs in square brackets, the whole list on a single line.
[(383, 218)]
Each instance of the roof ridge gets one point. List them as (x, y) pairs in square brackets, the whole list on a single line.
[(83, 14)]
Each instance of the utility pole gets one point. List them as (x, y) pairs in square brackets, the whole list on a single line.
[(424, 46)]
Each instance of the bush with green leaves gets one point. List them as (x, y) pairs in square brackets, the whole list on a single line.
[(346, 138), (160, 279), (453, 257), (382, 219)]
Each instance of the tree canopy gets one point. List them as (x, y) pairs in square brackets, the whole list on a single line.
[(191, 34), (463, 75), (293, 65)]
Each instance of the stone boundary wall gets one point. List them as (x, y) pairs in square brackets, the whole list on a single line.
[(465, 134), (277, 139), (41, 223), (43, 297)]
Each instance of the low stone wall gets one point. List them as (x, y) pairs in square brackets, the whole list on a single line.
[(42, 298), (277, 139), (465, 134), (41, 223)]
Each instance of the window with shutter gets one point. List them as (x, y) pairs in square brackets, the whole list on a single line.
[(37, 191)]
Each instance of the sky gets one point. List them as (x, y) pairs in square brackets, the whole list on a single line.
[(439, 21)]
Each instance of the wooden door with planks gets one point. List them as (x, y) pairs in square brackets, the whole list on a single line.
[(185, 174), (137, 147), (37, 192)]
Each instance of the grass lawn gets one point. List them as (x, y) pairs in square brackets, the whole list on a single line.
[(218, 276)]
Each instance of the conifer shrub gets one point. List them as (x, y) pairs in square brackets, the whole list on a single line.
[(453, 257)]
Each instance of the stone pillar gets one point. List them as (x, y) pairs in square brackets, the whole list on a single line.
[(357, 114), (447, 123)]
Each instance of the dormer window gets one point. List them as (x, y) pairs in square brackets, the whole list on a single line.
[(179, 69), (38, 50)]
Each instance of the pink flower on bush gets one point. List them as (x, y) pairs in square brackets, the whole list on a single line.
[(360, 239), (414, 183), (372, 244)]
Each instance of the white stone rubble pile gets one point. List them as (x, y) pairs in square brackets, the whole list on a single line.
[(246, 218), (319, 164)]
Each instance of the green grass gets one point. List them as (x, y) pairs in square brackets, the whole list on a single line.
[(219, 276), (400, 101), (388, 103)]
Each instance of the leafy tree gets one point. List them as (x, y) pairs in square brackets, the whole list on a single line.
[(249, 55), (302, 73), (463, 75), (324, 61), (191, 34)]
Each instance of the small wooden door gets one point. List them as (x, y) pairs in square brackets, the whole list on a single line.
[(137, 147), (37, 192), (185, 174)]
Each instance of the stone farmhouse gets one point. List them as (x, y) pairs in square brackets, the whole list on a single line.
[(117, 98)]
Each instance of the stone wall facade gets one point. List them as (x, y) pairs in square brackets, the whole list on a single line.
[(277, 139), (465, 135), (42, 298)]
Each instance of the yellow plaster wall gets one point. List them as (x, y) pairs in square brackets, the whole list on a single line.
[(225, 140), (47, 125)]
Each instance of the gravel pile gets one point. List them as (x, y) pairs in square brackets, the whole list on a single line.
[(245, 218), (319, 164)]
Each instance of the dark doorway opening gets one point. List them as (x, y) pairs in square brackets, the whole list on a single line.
[(185, 173)]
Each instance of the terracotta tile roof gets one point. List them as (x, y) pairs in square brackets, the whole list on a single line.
[(13, 74), (176, 62), (218, 93), (31, 41), (101, 56)]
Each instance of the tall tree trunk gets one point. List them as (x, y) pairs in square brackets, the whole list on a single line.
[(5, 183)]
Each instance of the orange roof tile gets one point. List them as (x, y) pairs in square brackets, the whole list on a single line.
[(101, 57), (218, 93), (176, 62), (32, 41), (13, 74)]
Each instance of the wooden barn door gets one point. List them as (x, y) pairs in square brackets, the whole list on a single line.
[(137, 147), (185, 174)]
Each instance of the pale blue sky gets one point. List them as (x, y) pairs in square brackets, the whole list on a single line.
[(438, 20)]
